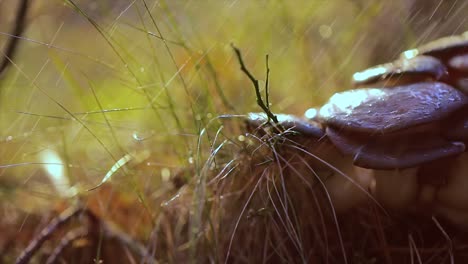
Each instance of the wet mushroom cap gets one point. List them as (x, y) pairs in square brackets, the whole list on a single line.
[(385, 110), (459, 72), (442, 48), (382, 154), (459, 62), (462, 85), (289, 122), (420, 68)]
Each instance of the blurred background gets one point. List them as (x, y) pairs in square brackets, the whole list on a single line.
[(98, 84)]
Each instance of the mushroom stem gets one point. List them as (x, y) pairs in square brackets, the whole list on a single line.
[(451, 199), (348, 188), (454, 193), (396, 189)]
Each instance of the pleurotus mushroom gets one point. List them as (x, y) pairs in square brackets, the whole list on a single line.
[(443, 48), (385, 139), (452, 52), (288, 122), (443, 187), (345, 184), (381, 128), (308, 134), (385, 110), (389, 152), (459, 62), (402, 71), (459, 72)]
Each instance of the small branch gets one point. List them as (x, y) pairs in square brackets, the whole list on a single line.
[(46, 233), (267, 96), (17, 31), (66, 241), (95, 222), (127, 241), (254, 81)]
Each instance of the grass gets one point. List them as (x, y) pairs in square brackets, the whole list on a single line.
[(120, 106)]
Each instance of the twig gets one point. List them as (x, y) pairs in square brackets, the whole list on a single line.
[(111, 232), (254, 81), (267, 96), (95, 222), (45, 234), (69, 238), (17, 31), (126, 240)]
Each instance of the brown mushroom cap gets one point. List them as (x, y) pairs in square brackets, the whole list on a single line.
[(420, 68), (459, 62), (383, 154), (291, 122), (442, 48), (462, 84), (385, 110)]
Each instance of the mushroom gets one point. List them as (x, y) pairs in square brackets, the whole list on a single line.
[(462, 84), (385, 110), (345, 184), (448, 197), (395, 150), (451, 51), (459, 72), (294, 130), (348, 186), (382, 129), (288, 122), (402, 71), (459, 62), (443, 48)]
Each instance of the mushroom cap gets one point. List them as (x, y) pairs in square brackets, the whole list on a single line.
[(442, 48), (290, 122), (459, 62), (385, 110), (462, 84), (419, 68), (382, 154)]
